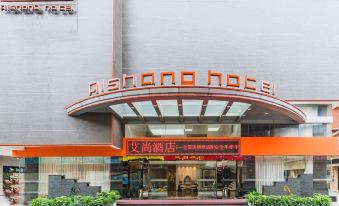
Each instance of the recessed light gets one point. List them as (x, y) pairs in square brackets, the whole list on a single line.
[(213, 129), (266, 113), (249, 109)]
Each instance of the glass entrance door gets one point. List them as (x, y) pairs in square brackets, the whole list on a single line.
[(135, 177)]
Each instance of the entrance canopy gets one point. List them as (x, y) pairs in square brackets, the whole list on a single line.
[(190, 104)]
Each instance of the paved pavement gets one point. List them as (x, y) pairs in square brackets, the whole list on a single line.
[(4, 201), (331, 193)]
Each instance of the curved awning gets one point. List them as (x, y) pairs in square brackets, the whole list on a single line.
[(189, 103)]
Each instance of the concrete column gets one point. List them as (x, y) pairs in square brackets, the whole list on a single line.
[(309, 165)]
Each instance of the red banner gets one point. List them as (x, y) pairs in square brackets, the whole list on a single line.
[(206, 158), (183, 147)]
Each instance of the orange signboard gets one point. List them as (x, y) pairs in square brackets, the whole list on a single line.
[(250, 146)]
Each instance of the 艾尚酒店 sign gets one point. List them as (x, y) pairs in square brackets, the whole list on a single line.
[(183, 147)]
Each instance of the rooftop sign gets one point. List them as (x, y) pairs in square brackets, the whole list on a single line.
[(39, 8), (187, 78)]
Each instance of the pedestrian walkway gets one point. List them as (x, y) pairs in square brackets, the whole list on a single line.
[(212, 202), (336, 194), (4, 201)]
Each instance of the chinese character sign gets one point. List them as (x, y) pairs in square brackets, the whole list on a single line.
[(180, 147)]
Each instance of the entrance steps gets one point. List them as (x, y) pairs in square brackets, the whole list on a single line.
[(212, 202)]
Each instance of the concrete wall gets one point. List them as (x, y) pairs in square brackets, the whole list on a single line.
[(46, 63), (292, 43)]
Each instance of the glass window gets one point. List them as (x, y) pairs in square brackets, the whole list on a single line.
[(178, 178), (305, 130), (37, 172), (238, 109), (322, 110), (192, 108), (294, 166), (215, 108), (168, 108), (123, 110), (183, 130), (146, 108), (319, 130)]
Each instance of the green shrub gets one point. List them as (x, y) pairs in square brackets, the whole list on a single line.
[(257, 199), (101, 199), (41, 201)]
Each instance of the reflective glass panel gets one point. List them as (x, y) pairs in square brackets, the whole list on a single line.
[(215, 107), (145, 108), (238, 109), (191, 108), (123, 110), (168, 108)]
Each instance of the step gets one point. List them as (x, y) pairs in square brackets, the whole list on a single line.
[(229, 202)]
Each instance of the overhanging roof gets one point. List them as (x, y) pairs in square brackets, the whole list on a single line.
[(191, 103)]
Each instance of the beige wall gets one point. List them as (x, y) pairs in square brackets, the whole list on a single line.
[(334, 174), (335, 113)]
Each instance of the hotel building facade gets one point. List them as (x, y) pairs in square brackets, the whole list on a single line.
[(169, 99)]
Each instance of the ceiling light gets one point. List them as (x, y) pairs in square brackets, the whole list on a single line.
[(188, 130), (213, 129), (173, 132), (266, 113)]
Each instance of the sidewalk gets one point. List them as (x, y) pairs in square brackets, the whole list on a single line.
[(332, 193), (4, 201)]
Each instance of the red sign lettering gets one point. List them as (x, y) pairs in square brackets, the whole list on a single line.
[(183, 147)]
